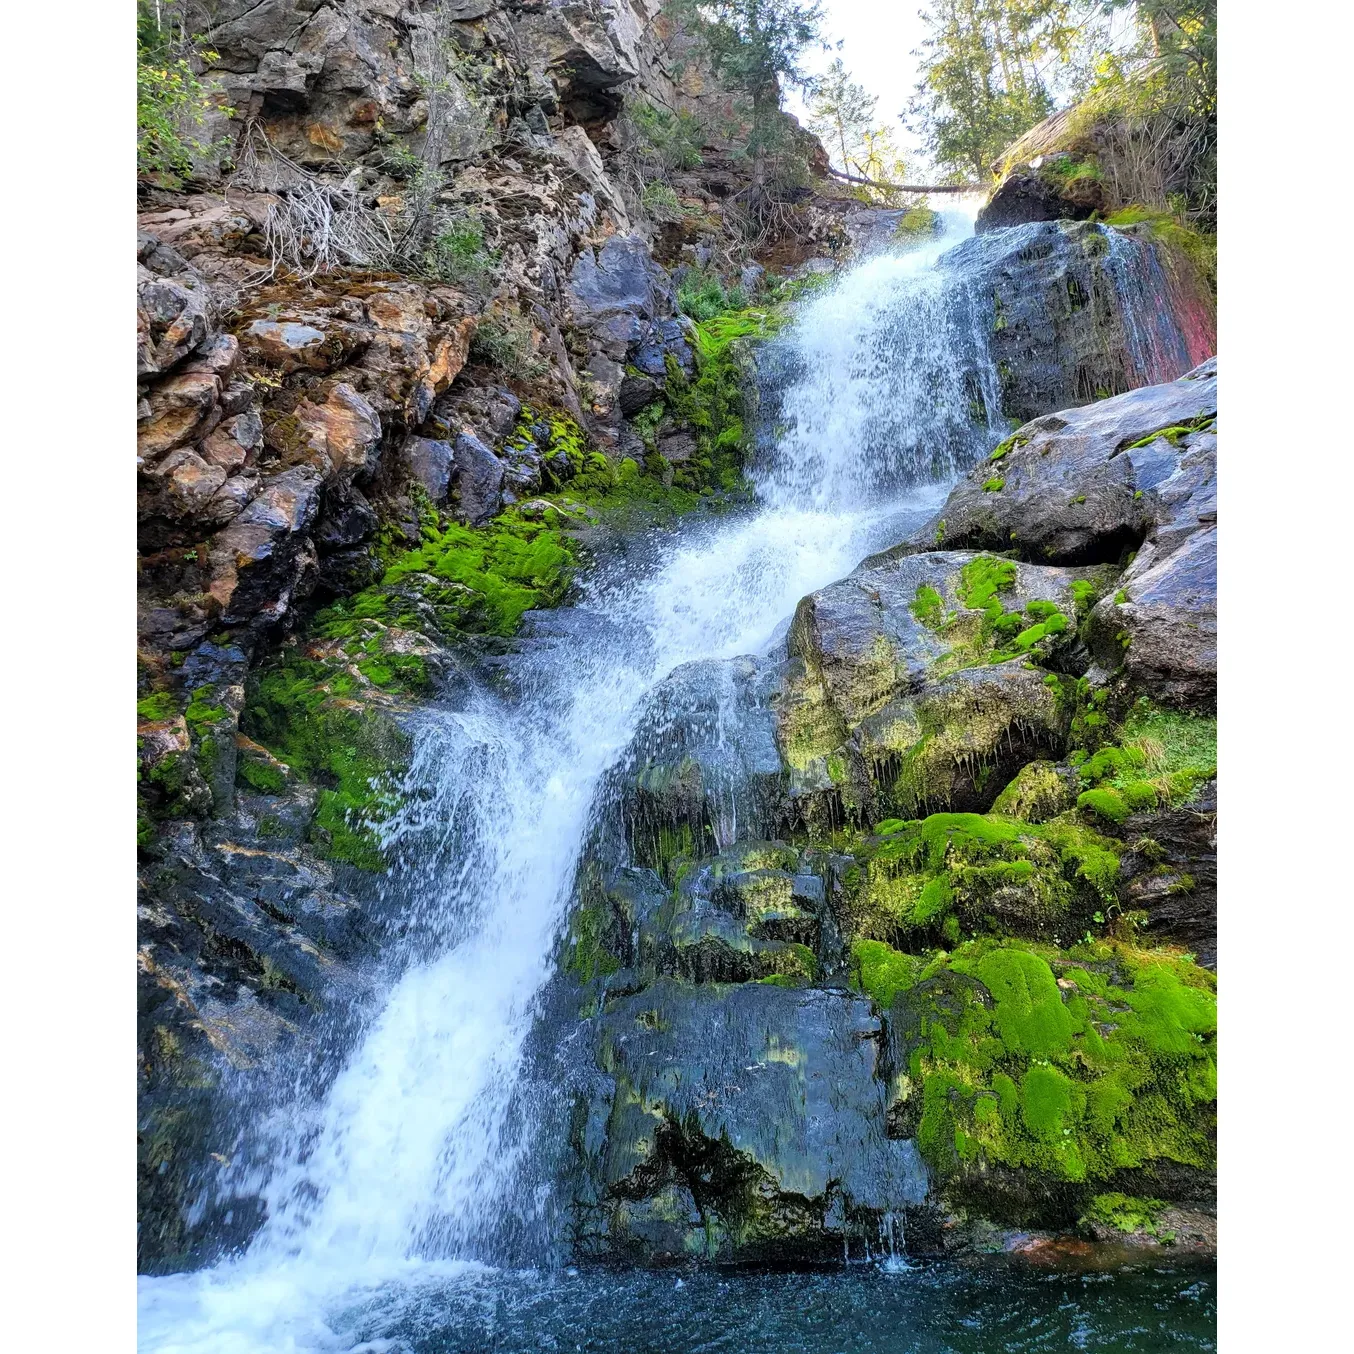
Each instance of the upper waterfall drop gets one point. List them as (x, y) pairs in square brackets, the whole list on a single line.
[(884, 381)]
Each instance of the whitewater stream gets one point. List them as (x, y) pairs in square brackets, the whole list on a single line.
[(386, 1193)]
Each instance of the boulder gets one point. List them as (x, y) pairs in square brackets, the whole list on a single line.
[(428, 463), (477, 479), (173, 320), (702, 771), (1047, 190), (1088, 485), (293, 346), (616, 292), (1075, 311), (911, 687), (346, 519), (742, 1124), (1162, 624), (339, 437)]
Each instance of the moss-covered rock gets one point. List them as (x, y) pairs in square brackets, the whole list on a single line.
[(956, 874), (1026, 1066), (1039, 790), (916, 684)]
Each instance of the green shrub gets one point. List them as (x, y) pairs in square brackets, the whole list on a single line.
[(171, 100), (459, 257), (661, 202)]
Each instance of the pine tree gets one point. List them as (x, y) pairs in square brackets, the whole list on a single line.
[(757, 46), (841, 112)]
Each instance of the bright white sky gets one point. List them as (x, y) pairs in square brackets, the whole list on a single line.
[(878, 38)]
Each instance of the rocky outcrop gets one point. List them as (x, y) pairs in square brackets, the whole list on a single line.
[(1133, 476)]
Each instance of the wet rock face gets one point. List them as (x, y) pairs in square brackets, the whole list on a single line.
[(740, 1124), (244, 937), (1076, 312)]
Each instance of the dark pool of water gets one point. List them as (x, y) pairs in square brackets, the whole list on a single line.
[(937, 1309)]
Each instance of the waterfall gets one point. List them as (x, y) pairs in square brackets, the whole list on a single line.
[(885, 383), (882, 391)]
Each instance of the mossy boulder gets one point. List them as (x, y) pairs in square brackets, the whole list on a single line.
[(1033, 1077), (916, 683), (1039, 790), (702, 769), (937, 879)]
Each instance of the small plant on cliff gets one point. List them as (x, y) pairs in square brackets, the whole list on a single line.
[(661, 202), (666, 140), (459, 256), (504, 340), (702, 296)]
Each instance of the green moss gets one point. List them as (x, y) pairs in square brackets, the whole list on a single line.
[(916, 223), (1097, 1059), (994, 486), (301, 709), (981, 579), (489, 576), (1199, 248), (1036, 792), (1175, 432), (1067, 169), (261, 776), (795, 966), (1104, 803), (155, 708), (882, 972), (201, 713), (1003, 634), (1127, 1213), (927, 607), (711, 404), (590, 955), (1161, 758), (1009, 445), (982, 872)]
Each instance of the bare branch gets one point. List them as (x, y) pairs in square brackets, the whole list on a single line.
[(909, 187)]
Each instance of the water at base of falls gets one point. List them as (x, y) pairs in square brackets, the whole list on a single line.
[(410, 1157), (996, 1307)]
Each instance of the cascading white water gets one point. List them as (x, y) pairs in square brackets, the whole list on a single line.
[(406, 1161)]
